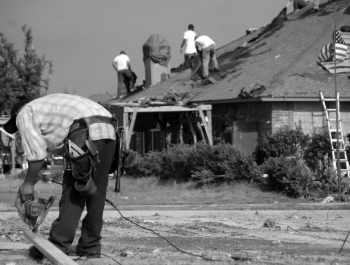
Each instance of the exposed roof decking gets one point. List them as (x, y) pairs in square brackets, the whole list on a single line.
[(262, 60)]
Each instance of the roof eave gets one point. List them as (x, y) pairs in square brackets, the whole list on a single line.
[(274, 99)]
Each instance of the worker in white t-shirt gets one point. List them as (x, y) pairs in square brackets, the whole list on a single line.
[(206, 49), (122, 65), (190, 50)]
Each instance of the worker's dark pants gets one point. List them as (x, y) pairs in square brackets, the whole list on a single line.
[(125, 78), (72, 204), (189, 60)]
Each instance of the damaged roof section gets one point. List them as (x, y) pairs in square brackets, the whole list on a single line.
[(275, 61)]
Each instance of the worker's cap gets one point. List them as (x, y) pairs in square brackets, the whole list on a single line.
[(190, 26), (122, 52), (10, 126)]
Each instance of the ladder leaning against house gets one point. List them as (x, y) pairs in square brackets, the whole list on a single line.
[(333, 134)]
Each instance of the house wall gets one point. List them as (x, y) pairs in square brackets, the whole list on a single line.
[(271, 116), (224, 115)]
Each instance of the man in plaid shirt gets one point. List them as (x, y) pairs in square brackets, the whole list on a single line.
[(44, 125)]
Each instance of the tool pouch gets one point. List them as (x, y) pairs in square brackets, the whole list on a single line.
[(83, 157)]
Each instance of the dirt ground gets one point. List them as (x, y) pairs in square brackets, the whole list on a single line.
[(214, 236)]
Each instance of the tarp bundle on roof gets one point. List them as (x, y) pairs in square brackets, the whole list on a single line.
[(158, 49)]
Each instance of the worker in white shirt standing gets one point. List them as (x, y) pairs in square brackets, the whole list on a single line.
[(122, 65), (190, 50), (206, 50)]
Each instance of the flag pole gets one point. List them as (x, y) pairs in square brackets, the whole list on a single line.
[(337, 113)]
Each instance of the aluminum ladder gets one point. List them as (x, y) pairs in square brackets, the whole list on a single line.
[(332, 121)]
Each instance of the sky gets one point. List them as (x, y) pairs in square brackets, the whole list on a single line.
[(82, 37)]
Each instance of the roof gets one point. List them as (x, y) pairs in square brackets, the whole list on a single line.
[(280, 56)]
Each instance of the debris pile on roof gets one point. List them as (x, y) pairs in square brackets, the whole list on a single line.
[(158, 49), (275, 25), (253, 91)]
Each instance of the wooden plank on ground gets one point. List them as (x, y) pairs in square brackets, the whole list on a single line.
[(13, 245), (13, 256), (55, 255)]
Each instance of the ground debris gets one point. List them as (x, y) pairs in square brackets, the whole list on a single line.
[(126, 254), (310, 227), (269, 222)]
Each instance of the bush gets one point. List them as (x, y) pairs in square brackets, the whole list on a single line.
[(145, 165), (202, 163), (291, 176), (318, 152), (285, 142)]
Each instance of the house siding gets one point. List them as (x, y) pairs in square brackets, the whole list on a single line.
[(223, 116), (272, 116), (269, 117)]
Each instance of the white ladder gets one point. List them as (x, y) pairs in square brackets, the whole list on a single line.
[(344, 164)]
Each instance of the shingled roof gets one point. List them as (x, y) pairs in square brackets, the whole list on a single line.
[(281, 56)]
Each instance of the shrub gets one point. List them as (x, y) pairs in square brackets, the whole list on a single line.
[(291, 176), (145, 165), (318, 158), (318, 155), (285, 142), (201, 162)]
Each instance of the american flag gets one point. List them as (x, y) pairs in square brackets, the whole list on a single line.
[(327, 52), (338, 37), (340, 47)]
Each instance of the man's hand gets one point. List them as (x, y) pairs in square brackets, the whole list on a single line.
[(180, 50), (26, 191)]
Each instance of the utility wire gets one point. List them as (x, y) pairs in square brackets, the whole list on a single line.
[(148, 229)]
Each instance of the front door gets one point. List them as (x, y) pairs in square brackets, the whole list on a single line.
[(245, 136)]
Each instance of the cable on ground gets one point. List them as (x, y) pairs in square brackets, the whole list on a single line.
[(148, 229)]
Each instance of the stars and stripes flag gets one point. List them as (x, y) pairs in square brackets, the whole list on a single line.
[(340, 47), (327, 52)]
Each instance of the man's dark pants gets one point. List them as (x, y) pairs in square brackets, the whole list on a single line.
[(125, 77), (189, 60), (72, 204)]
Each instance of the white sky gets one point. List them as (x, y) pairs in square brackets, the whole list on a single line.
[(82, 37)]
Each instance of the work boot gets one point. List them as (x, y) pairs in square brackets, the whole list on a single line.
[(74, 251), (34, 253)]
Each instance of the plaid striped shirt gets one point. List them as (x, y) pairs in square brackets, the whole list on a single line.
[(44, 123)]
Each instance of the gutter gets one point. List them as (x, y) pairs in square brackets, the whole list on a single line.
[(275, 99)]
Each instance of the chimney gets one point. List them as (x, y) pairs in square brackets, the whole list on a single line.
[(156, 56)]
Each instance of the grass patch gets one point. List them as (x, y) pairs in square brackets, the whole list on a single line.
[(149, 191)]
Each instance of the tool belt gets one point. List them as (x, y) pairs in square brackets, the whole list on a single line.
[(81, 154)]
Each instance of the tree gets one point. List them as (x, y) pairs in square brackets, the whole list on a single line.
[(25, 76)]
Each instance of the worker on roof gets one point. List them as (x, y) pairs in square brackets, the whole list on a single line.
[(85, 133), (299, 4), (206, 50), (190, 50), (122, 65)]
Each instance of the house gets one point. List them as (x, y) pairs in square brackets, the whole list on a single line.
[(269, 78)]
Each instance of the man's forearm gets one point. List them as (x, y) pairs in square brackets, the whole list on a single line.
[(34, 168), (182, 43)]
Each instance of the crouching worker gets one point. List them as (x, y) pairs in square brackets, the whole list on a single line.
[(85, 133), (206, 50)]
